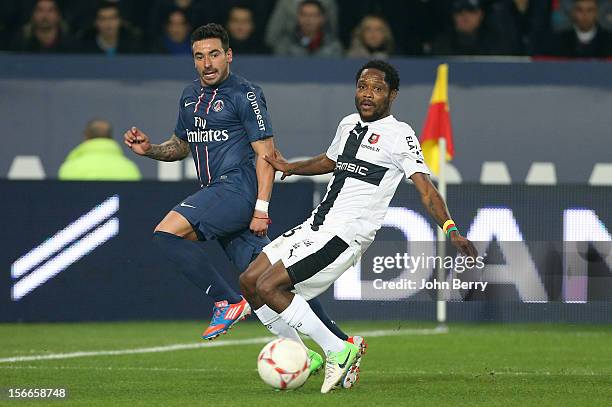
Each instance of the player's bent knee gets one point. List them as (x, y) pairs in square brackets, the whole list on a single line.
[(265, 287), (249, 277), (248, 281), (165, 228), (188, 235), (157, 233), (175, 224)]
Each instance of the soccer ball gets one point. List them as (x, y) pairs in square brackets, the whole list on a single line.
[(283, 364)]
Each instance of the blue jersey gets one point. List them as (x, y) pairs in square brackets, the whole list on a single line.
[(220, 123)]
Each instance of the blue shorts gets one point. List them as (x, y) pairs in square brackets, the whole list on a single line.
[(223, 211), (242, 249)]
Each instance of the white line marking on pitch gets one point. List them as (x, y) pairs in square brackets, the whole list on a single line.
[(183, 346), (214, 371)]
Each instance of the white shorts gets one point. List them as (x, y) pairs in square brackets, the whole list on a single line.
[(313, 259)]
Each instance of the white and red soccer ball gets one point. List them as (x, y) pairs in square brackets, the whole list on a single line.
[(283, 364)]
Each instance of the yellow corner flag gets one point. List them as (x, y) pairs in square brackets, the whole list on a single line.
[(438, 124)]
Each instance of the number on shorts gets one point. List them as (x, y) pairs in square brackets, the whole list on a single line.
[(292, 231)]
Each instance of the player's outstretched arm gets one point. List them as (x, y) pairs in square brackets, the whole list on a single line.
[(265, 182), (437, 209), (172, 150), (320, 164)]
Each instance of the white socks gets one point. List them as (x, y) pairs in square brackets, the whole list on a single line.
[(275, 324), (300, 316)]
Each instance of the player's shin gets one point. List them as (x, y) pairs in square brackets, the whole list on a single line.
[(300, 316), (318, 309), (194, 264), (247, 281), (275, 324)]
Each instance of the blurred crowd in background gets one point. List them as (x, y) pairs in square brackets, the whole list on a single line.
[(330, 28)]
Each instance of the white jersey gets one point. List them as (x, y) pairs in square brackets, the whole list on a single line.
[(371, 158)]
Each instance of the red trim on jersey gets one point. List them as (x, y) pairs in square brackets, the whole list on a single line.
[(211, 100), (198, 104), (198, 166), (207, 168)]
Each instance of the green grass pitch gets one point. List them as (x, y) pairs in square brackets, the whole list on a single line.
[(470, 365)]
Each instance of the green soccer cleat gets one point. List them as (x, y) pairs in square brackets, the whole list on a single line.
[(353, 374), (337, 366), (316, 361)]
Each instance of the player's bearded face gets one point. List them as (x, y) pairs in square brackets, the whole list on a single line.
[(211, 61), (373, 97)]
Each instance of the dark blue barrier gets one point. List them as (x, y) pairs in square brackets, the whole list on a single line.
[(107, 269), (122, 278)]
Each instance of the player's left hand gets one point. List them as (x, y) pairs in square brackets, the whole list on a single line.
[(279, 163), (259, 223), (463, 245)]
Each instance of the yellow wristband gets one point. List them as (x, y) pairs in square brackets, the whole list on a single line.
[(447, 224)]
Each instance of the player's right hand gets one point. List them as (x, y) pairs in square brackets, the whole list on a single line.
[(137, 141), (279, 163), (464, 246)]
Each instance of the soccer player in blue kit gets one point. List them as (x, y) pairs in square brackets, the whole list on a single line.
[(224, 123)]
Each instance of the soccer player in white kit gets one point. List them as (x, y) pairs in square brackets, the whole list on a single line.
[(369, 155)]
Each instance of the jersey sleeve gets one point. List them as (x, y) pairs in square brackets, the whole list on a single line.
[(181, 128), (407, 154), (253, 113), (334, 149)]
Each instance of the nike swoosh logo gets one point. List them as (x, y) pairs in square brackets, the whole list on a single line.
[(186, 205), (190, 103), (341, 365)]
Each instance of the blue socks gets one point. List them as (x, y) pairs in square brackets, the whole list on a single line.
[(192, 262)]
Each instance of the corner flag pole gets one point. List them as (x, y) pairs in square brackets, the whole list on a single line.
[(437, 146), (441, 274)]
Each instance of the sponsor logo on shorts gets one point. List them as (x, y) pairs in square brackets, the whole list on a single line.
[(291, 232)]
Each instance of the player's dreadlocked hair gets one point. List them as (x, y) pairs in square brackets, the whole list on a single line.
[(391, 76), (211, 30)]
